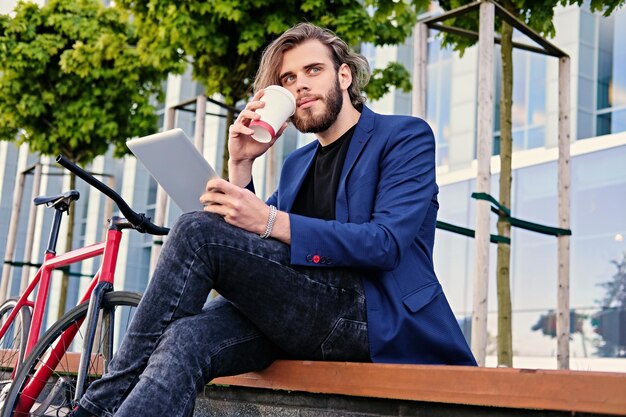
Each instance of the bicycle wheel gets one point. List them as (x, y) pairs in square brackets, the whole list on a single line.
[(13, 342), (46, 382)]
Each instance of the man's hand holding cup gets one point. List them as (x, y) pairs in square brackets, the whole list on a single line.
[(262, 121), (280, 105)]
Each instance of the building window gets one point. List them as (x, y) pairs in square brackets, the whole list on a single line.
[(529, 98), (438, 95), (611, 84)]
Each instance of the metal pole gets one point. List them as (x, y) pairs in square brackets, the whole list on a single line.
[(420, 49), (18, 193), (30, 234), (483, 179), (161, 201), (563, 241)]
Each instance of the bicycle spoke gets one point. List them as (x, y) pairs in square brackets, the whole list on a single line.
[(56, 360), (12, 342)]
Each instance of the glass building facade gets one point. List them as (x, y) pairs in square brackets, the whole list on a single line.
[(596, 45), (598, 190)]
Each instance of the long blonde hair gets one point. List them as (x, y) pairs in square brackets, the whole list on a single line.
[(271, 60)]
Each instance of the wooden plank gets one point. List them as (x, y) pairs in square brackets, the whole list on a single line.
[(29, 272), (160, 209), (563, 242), (512, 20), (200, 122), (420, 68), (483, 180), (473, 35), (451, 14), (69, 362), (560, 390), (18, 193), (575, 391)]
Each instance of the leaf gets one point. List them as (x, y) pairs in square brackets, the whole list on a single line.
[(382, 80), (72, 78)]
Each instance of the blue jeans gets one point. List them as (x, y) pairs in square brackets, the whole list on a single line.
[(268, 309)]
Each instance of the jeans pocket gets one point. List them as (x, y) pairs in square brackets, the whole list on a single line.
[(347, 341)]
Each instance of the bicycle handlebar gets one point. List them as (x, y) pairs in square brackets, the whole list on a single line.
[(140, 221)]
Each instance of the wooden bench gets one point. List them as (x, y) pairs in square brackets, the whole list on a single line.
[(569, 391), (598, 393)]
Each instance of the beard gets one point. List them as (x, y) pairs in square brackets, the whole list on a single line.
[(311, 123)]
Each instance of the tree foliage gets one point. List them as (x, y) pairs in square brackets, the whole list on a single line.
[(225, 38), (72, 81), (538, 15)]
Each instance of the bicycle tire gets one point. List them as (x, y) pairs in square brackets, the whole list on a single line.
[(60, 386), (13, 342)]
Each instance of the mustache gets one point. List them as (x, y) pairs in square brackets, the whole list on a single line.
[(304, 97)]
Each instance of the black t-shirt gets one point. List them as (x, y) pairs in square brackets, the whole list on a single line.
[(317, 195)]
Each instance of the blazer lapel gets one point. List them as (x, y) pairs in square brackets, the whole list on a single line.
[(362, 133)]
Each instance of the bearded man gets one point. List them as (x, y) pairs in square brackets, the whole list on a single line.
[(336, 265)]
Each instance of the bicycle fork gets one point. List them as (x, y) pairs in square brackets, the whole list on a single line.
[(95, 302)]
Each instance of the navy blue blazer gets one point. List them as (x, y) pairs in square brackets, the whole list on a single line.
[(386, 210)]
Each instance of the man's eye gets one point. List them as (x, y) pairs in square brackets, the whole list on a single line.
[(315, 70), (288, 79)]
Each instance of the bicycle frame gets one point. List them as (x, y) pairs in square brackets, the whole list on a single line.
[(109, 250), (101, 283)]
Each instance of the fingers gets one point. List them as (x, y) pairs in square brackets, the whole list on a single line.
[(247, 115), (219, 184), (249, 112), (239, 128), (219, 191), (212, 198)]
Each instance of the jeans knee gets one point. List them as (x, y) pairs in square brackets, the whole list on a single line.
[(193, 220), (194, 227)]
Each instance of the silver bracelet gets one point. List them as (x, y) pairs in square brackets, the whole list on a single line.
[(270, 223)]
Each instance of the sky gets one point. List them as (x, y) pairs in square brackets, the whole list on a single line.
[(7, 6)]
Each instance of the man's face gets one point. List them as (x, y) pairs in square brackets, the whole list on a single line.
[(308, 72)]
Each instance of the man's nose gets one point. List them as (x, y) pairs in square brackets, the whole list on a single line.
[(302, 83)]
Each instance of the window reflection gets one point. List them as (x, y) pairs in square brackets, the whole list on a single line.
[(598, 223), (438, 95), (528, 115), (611, 80)]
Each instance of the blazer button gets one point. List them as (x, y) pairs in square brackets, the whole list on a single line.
[(316, 259)]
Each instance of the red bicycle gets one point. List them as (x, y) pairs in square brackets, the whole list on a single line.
[(47, 375)]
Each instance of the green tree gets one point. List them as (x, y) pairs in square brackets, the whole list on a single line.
[(538, 15), (615, 289), (224, 39), (72, 81)]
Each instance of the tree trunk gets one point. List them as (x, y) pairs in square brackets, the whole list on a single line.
[(503, 281), (68, 247)]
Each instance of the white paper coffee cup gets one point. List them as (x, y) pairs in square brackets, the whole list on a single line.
[(280, 105)]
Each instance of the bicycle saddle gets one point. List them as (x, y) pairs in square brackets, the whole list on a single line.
[(58, 201)]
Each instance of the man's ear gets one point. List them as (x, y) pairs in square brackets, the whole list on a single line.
[(345, 76)]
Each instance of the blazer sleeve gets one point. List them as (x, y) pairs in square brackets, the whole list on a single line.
[(404, 192)]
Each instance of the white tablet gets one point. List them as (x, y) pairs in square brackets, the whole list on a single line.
[(175, 163)]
